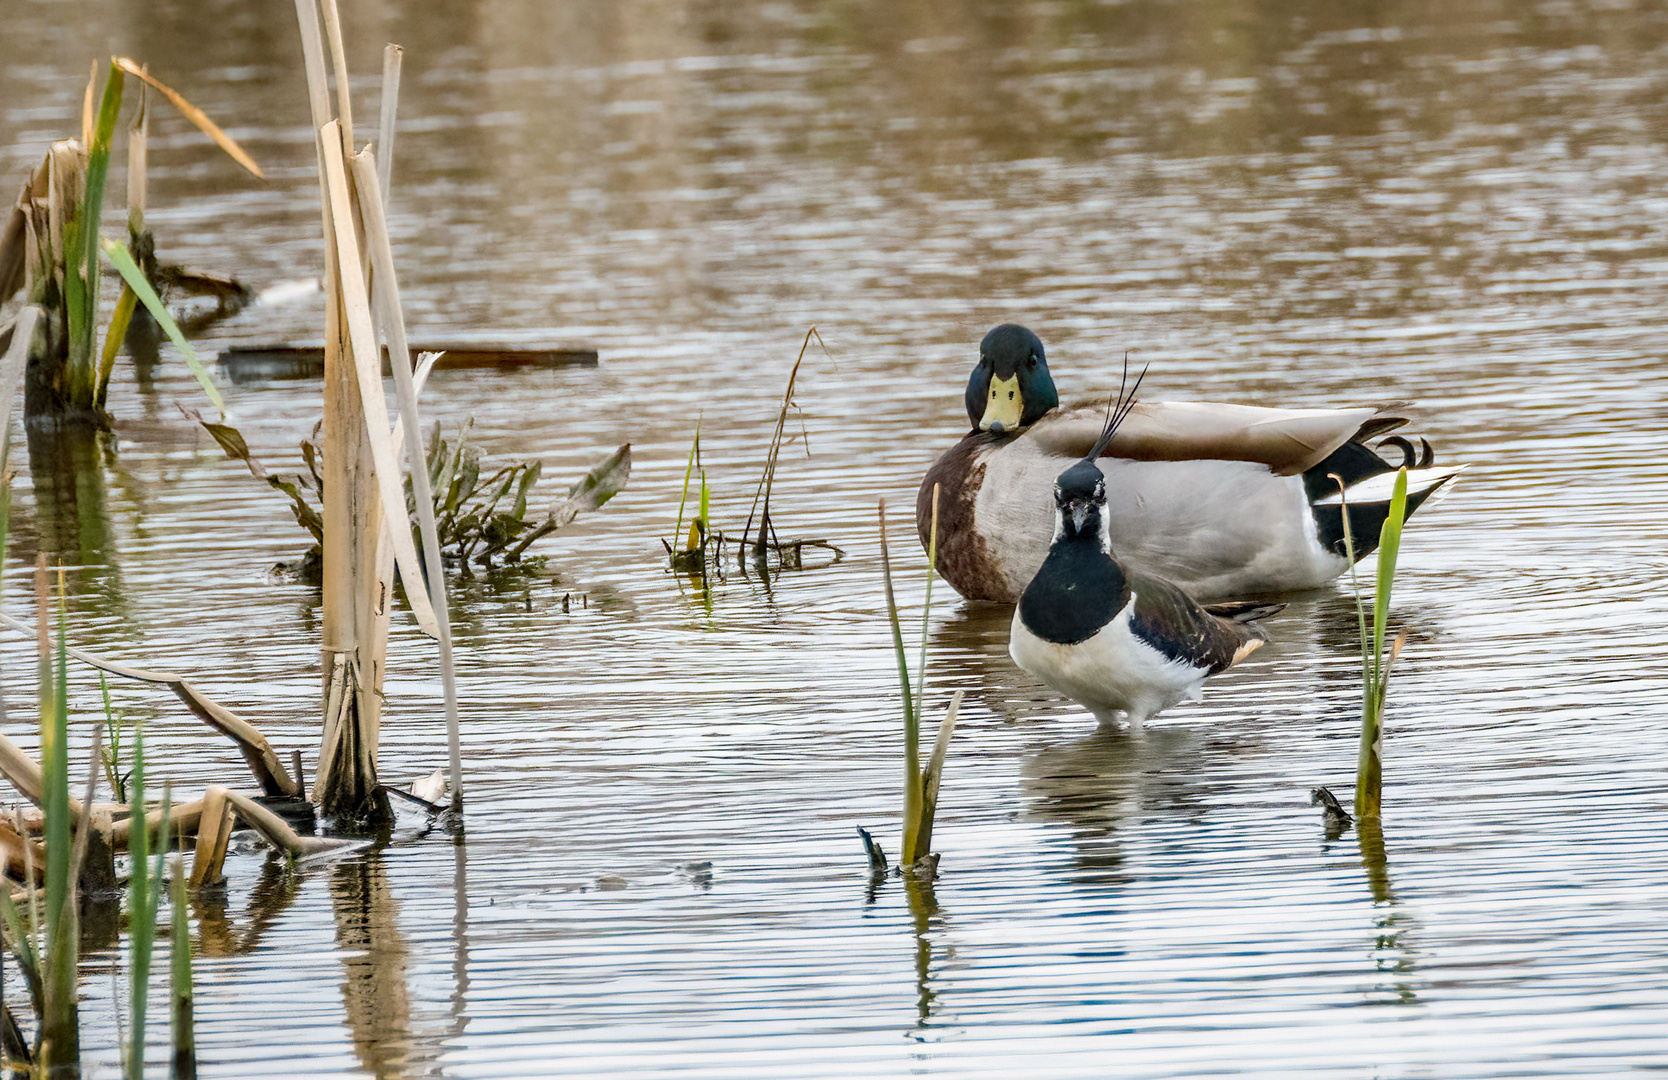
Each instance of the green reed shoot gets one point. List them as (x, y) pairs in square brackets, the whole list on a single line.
[(59, 1024), (694, 470), (920, 784), (143, 890), (182, 1000), (111, 756), (1375, 665)]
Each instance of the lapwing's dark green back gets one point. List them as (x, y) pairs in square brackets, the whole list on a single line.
[(1172, 622)]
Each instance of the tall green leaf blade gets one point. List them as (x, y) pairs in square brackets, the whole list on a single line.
[(86, 253), (135, 278)]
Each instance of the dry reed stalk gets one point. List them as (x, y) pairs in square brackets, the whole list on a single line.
[(278, 832), (263, 760), (388, 302), (11, 373), (354, 625), (181, 820), (367, 366), (761, 496)]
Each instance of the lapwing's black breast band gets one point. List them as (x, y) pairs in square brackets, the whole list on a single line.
[(1076, 593)]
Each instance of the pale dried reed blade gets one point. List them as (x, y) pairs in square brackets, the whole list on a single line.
[(22, 771), (179, 819), (392, 57), (940, 747), (263, 761), (387, 295), (367, 365), (312, 57), (87, 110), (338, 700), (197, 116), (12, 366), (138, 158), (13, 246), (339, 68)]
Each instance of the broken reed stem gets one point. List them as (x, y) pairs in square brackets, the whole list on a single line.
[(263, 760)]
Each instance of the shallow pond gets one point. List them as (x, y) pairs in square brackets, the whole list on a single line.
[(1457, 206)]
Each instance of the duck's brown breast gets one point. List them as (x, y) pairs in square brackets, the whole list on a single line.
[(963, 559)]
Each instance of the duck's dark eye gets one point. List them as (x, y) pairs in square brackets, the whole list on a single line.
[(1031, 362)]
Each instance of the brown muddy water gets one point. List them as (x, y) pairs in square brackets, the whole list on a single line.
[(1456, 205)]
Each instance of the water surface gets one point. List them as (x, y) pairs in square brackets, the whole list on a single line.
[(1456, 206)]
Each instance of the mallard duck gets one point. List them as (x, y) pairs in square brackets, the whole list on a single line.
[(1220, 500), (1120, 644)]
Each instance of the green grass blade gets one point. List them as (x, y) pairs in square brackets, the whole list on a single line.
[(59, 1022), (688, 472), (22, 945), (1369, 770), (142, 899), (181, 997), (81, 244), (926, 617), (114, 335), (912, 732), (1389, 547), (135, 279)]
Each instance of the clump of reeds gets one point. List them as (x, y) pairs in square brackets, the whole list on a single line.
[(52, 248), (700, 552), (1375, 664), (921, 782)]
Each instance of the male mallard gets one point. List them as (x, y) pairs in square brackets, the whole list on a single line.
[(1221, 500), (1114, 641)]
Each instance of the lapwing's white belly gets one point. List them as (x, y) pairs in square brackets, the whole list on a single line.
[(1114, 671)]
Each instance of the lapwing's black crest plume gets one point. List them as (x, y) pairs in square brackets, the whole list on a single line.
[(1117, 409)]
